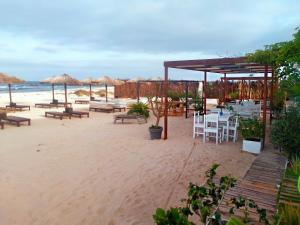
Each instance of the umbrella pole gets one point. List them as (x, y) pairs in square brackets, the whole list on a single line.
[(9, 90), (52, 92), (106, 92), (90, 91), (66, 98)]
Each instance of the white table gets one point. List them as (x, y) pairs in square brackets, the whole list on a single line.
[(225, 118)]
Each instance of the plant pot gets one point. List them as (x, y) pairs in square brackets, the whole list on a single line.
[(211, 222), (155, 132), (252, 145)]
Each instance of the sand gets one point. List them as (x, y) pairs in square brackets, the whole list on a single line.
[(91, 171)]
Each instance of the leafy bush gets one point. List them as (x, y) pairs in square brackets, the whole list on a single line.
[(202, 201), (285, 132), (234, 95), (294, 170), (140, 109), (175, 95), (251, 128)]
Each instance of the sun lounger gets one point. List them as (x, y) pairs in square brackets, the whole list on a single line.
[(122, 117), (59, 115), (119, 108), (16, 120), (82, 101), (45, 105), (52, 105), (18, 107), (79, 114)]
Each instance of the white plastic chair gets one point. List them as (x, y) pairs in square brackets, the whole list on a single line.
[(198, 128), (232, 129), (211, 122)]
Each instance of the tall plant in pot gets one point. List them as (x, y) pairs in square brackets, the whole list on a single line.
[(252, 133), (156, 106)]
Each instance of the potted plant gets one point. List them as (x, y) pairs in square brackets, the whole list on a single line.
[(252, 133), (156, 106), (139, 108)]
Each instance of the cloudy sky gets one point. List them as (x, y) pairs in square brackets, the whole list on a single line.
[(128, 38)]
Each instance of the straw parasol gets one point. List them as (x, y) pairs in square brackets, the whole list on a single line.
[(119, 82), (106, 80), (137, 80), (7, 79), (64, 79), (90, 81)]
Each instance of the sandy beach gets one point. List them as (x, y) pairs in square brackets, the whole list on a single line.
[(91, 171)]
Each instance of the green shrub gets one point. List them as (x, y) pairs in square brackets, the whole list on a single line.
[(289, 215), (251, 128), (294, 170), (234, 95), (285, 132), (140, 109)]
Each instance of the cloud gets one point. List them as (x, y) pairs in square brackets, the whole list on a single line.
[(133, 36)]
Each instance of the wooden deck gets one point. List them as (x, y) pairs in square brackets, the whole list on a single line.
[(260, 183)]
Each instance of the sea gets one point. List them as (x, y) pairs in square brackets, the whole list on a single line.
[(35, 86)]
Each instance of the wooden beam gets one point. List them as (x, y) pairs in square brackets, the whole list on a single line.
[(166, 104), (265, 102), (204, 91)]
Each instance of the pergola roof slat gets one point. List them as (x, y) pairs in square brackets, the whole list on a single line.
[(219, 65)]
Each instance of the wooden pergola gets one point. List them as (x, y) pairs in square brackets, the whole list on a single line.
[(224, 66)]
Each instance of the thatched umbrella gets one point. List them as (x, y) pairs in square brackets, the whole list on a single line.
[(119, 82), (137, 80), (6, 79), (64, 79), (89, 81), (106, 81)]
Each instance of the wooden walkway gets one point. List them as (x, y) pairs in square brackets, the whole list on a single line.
[(260, 184)]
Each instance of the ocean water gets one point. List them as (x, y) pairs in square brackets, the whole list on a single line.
[(35, 86)]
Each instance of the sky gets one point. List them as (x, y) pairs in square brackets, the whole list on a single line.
[(130, 38)]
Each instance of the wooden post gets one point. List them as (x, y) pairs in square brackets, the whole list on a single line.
[(90, 91), (271, 96), (66, 97), (52, 92), (186, 99), (138, 91), (166, 104), (9, 90), (106, 92), (225, 88), (265, 102), (204, 91)]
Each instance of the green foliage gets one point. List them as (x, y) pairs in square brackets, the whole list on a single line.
[(175, 95), (173, 216), (140, 109), (245, 205), (283, 57), (234, 221), (202, 201), (251, 128), (234, 95), (285, 132), (278, 103), (294, 170), (289, 215)]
